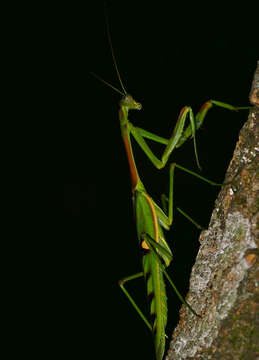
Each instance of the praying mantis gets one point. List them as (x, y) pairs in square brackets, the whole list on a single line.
[(150, 218)]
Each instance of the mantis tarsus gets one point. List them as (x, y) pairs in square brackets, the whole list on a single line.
[(150, 218)]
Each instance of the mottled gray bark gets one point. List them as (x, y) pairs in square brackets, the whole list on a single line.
[(224, 284)]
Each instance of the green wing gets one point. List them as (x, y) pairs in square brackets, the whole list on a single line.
[(148, 225)]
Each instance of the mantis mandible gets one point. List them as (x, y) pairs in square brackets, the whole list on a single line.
[(150, 218)]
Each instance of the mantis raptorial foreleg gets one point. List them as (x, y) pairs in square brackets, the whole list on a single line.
[(179, 134)]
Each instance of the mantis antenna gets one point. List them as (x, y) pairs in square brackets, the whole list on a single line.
[(114, 62), (106, 83), (113, 55)]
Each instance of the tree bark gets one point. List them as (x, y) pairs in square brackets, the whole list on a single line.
[(224, 284)]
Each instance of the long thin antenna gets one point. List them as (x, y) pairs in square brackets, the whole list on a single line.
[(106, 83), (112, 51)]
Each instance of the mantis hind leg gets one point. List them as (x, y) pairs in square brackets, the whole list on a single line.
[(168, 219), (198, 226), (153, 245), (132, 301)]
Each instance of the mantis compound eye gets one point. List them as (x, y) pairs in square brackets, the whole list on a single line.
[(130, 103), (128, 99)]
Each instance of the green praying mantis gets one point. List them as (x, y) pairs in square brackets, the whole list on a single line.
[(150, 218)]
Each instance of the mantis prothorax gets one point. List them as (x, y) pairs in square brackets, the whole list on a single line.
[(150, 218)]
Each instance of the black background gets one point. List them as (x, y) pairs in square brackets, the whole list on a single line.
[(168, 56)]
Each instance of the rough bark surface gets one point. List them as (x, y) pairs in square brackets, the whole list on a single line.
[(224, 284)]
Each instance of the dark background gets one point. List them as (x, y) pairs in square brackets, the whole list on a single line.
[(168, 56)]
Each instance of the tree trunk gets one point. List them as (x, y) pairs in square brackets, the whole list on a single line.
[(224, 284)]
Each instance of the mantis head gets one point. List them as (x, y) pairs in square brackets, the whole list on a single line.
[(130, 103)]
